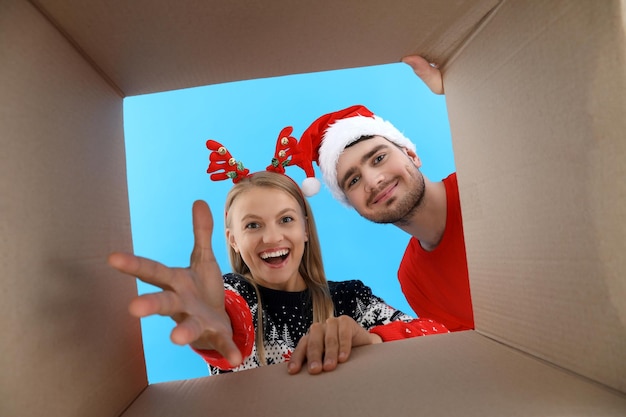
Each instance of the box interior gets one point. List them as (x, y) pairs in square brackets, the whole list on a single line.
[(534, 94)]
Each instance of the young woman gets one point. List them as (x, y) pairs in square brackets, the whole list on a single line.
[(276, 305)]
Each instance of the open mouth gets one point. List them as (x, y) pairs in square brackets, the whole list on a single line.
[(275, 257)]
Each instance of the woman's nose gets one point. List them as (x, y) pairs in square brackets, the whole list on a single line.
[(272, 234)]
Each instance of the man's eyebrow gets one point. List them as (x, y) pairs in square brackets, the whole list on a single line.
[(366, 156)]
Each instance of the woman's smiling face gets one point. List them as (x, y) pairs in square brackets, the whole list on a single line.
[(267, 227)]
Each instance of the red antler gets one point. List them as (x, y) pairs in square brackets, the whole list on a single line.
[(287, 151), (221, 159)]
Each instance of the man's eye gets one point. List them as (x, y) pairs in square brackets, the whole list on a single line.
[(353, 181), (379, 158)]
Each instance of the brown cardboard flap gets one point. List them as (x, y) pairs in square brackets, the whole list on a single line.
[(155, 45), (68, 345), (459, 374), (537, 103)]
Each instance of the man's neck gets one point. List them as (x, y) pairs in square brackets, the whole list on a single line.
[(428, 223)]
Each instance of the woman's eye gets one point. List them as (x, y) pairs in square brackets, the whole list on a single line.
[(287, 219), (252, 226)]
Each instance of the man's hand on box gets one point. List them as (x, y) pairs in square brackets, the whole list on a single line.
[(428, 73)]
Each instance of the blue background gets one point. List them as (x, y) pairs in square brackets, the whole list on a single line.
[(167, 159)]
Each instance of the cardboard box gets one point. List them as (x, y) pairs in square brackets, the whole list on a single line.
[(535, 94)]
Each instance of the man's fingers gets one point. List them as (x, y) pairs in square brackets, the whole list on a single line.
[(431, 76)]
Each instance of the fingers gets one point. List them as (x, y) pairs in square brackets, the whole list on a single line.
[(331, 345), (346, 335), (165, 303), (124, 262), (202, 253), (203, 262), (148, 271), (430, 75), (315, 348), (325, 346), (298, 356), (310, 349), (227, 348), (343, 335), (186, 332), (215, 337)]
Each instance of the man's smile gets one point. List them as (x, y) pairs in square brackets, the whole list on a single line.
[(385, 194)]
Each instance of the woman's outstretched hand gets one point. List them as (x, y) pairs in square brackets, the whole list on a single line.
[(328, 344), (193, 297)]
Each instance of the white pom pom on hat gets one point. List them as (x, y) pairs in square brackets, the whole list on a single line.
[(310, 186), (327, 137)]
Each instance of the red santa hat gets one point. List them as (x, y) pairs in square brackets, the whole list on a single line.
[(329, 135)]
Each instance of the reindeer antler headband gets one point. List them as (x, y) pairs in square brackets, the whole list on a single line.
[(223, 165)]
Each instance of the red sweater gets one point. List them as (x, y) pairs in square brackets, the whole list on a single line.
[(436, 283)]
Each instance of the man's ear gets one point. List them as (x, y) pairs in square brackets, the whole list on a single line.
[(413, 157), (231, 240)]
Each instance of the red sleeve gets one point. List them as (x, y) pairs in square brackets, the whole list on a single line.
[(243, 331), (405, 330)]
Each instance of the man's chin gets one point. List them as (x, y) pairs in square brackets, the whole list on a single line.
[(381, 218), (389, 215)]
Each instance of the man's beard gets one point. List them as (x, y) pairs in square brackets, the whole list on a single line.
[(400, 209)]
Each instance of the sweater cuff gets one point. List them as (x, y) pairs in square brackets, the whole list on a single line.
[(243, 331), (405, 330)]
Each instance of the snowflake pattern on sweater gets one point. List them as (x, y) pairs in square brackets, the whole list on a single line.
[(288, 315)]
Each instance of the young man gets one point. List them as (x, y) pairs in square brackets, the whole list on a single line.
[(370, 165)]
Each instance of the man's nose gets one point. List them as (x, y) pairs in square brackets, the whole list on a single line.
[(372, 180)]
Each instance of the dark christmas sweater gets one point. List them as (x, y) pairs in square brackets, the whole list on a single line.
[(288, 316)]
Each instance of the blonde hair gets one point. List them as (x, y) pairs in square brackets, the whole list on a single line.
[(311, 267)]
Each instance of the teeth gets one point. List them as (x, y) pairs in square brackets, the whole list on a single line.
[(274, 254)]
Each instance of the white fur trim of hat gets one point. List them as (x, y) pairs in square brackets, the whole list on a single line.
[(346, 131)]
